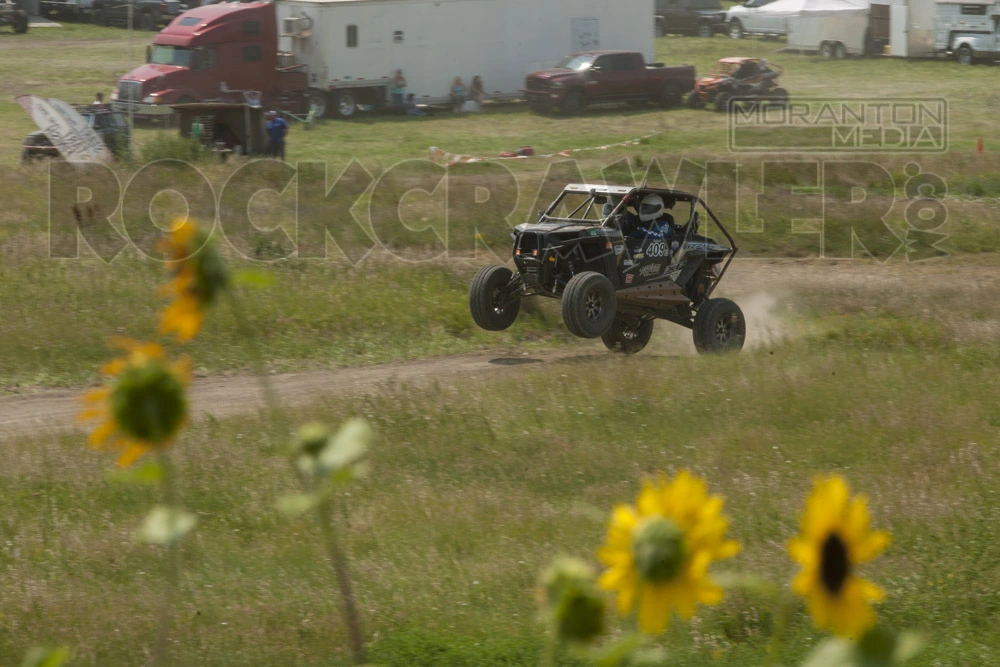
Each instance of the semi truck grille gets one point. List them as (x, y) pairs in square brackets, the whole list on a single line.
[(130, 91)]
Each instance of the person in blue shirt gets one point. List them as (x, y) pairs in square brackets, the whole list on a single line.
[(277, 128)]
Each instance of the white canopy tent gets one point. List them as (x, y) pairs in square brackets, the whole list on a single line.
[(831, 27)]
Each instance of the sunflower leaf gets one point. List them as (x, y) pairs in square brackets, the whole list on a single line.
[(618, 652), (908, 645), (832, 652), (253, 278), (746, 582), (347, 446), (297, 504), (46, 657), (147, 473), (165, 525)]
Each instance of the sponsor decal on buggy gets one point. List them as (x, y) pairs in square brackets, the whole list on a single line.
[(650, 270), (638, 255), (627, 262), (628, 279), (657, 249), (619, 249)]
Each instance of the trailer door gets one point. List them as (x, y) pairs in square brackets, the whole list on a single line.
[(898, 42), (585, 35)]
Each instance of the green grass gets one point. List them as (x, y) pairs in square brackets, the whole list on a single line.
[(475, 486)]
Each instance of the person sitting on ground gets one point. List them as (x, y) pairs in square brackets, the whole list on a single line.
[(457, 93), (411, 106)]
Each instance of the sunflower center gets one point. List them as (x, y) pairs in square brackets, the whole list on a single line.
[(835, 565), (148, 403), (658, 550)]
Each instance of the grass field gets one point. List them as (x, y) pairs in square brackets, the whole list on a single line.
[(885, 374)]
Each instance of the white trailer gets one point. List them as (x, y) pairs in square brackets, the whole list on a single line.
[(351, 49), (832, 28)]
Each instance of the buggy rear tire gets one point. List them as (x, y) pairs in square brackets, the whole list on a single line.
[(627, 337), (488, 299), (719, 326), (588, 304)]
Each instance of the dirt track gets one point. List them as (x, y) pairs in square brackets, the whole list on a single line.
[(225, 396)]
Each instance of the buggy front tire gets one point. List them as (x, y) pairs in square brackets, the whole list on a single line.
[(719, 326), (627, 336), (488, 298), (588, 304)]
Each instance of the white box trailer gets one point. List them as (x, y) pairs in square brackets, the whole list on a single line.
[(351, 49), (832, 28)]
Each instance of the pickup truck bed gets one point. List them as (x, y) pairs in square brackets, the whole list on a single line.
[(606, 77)]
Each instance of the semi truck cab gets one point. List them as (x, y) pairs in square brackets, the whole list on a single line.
[(211, 53)]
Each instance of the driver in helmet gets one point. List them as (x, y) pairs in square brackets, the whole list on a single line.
[(654, 221)]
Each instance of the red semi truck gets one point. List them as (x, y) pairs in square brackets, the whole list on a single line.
[(213, 53)]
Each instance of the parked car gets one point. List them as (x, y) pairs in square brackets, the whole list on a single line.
[(737, 80), (748, 19), (614, 274), (605, 77), (147, 15), (63, 10), (14, 16), (110, 125), (704, 18)]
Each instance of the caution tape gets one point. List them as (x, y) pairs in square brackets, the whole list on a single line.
[(441, 155)]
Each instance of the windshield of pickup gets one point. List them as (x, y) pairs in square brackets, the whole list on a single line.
[(706, 4), (576, 62), (170, 55)]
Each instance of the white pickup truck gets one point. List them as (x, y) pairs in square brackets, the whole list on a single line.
[(752, 18), (968, 31)]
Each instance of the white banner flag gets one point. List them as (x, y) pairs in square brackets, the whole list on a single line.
[(66, 129)]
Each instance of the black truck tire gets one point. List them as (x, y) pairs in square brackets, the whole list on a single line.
[(735, 29), (626, 337), (669, 96), (317, 98), (345, 104), (719, 326), (588, 304), (20, 21), (965, 56), (705, 29), (488, 299), (574, 104)]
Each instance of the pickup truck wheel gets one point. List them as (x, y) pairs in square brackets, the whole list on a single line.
[(627, 335), (705, 30), (964, 55), (669, 97), (588, 304), (574, 104), (147, 22), (20, 21), (694, 101), (345, 106), (723, 102), (826, 50), (719, 326), (735, 29), (489, 300), (317, 98)]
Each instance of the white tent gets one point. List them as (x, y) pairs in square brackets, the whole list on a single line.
[(795, 8)]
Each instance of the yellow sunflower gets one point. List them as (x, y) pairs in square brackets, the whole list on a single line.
[(658, 552), (142, 406), (835, 537), (199, 274)]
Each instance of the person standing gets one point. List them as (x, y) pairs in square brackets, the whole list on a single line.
[(398, 91), (98, 100), (277, 128), (457, 93)]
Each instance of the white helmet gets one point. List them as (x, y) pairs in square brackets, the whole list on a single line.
[(650, 208)]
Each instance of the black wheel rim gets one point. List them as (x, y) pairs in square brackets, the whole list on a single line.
[(498, 301), (725, 329), (593, 306), (629, 333)]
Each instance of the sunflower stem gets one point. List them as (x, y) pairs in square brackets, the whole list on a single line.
[(339, 564), (249, 334), (782, 616), (171, 564)]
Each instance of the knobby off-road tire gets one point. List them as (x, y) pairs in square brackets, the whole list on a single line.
[(627, 337), (487, 296), (719, 326), (588, 304)]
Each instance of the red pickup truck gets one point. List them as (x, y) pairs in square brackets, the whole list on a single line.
[(605, 77)]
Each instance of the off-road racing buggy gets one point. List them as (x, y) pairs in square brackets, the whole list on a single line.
[(614, 273), (11, 14), (109, 124), (738, 80)]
